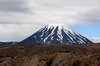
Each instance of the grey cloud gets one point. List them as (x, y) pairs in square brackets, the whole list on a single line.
[(90, 17), (78, 11), (69, 3), (45, 12), (13, 6)]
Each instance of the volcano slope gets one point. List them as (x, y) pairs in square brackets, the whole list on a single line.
[(56, 34), (50, 55)]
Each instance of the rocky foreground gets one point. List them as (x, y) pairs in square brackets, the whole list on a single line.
[(50, 55)]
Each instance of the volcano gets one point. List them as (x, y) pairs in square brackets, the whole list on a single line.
[(56, 34)]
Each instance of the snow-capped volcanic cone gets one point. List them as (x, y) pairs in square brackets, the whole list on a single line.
[(56, 34)]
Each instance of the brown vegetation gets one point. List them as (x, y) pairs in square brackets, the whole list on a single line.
[(50, 55)]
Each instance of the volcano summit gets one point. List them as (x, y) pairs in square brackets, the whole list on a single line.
[(56, 34)]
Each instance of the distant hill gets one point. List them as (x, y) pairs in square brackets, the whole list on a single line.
[(50, 55), (8, 43)]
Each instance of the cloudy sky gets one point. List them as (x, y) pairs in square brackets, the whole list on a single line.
[(21, 18)]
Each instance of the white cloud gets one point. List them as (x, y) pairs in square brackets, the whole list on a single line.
[(16, 32), (95, 40)]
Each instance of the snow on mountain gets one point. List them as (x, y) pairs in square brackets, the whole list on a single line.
[(56, 34)]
